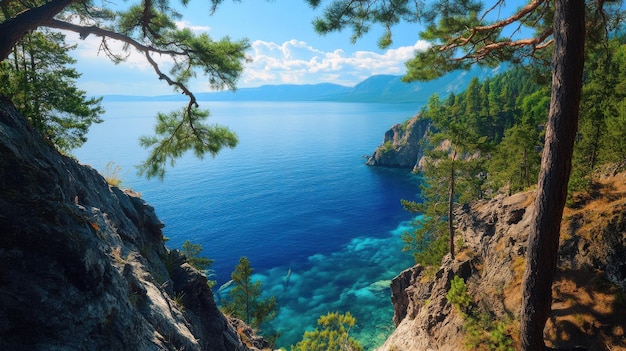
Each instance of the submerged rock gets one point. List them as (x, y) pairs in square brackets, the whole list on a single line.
[(83, 265)]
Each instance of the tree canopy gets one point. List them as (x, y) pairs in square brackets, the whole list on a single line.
[(333, 334), (244, 299), (464, 32), (147, 28), (41, 83)]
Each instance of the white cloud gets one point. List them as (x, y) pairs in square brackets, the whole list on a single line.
[(300, 63), (91, 51), (188, 25), (292, 62)]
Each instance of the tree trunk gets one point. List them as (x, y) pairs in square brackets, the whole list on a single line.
[(451, 205), (526, 169), (543, 241), (14, 29)]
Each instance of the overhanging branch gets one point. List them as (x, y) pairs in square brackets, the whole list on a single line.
[(85, 31), (536, 43), (14, 29)]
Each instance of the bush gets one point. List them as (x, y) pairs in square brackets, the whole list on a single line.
[(458, 295), (334, 335), (481, 331)]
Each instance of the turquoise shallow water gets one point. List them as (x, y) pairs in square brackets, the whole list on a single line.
[(293, 195)]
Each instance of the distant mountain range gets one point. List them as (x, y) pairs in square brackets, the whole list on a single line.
[(379, 88)]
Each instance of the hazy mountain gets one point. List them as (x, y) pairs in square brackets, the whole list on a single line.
[(379, 88)]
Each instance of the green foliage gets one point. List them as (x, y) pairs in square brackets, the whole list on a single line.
[(461, 32), (244, 299), (192, 252), (601, 130), (387, 147), (332, 334), (516, 160), (427, 242), (149, 29), (178, 132), (482, 332), (458, 295), (38, 78), (359, 16), (179, 300)]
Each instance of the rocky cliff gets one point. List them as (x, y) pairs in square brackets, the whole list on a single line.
[(83, 265), (589, 289), (402, 144)]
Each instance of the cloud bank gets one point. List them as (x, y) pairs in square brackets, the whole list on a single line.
[(297, 62), (290, 62)]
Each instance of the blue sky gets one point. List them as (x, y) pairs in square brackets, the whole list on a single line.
[(285, 49)]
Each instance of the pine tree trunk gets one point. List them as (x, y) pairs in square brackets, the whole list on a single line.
[(543, 241), (14, 29), (451, 205)]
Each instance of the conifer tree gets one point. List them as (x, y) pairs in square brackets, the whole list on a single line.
[(147, 28), (244, 299), (515, 162), (42, 85), (332, 334), (192, 252), (463, 33)]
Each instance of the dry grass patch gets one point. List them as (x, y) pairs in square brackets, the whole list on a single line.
[(586, 311)]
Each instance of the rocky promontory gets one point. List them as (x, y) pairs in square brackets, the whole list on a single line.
[(83, 265), (588, 289), (402, 145)]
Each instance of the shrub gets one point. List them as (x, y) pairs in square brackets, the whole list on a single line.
[(334, 335)]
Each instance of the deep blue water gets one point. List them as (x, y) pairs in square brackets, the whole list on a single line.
[(294, 195)]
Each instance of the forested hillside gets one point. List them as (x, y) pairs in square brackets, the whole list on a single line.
[(488, 140)]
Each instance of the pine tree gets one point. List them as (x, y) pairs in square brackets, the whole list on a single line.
[(332, 334), (42, 85), (516, 160), (148, 28), (244, 299)]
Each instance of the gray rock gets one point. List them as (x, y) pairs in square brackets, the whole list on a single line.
[(402, 145), (83, 265)]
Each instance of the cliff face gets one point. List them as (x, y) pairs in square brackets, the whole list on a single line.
[(402, 145), (588, 290), (83, 265)]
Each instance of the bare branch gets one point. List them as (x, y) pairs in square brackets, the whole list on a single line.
[(181, 86), (85, 31), (532, 6), (460, 41)]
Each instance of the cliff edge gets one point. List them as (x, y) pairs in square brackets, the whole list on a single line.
[(402, 144), (83, 265), (589, 287)]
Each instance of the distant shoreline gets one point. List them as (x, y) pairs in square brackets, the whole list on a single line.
[(375, 89)]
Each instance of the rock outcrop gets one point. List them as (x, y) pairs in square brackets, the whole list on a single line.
[(402, 144), (588, 291), (83, 265)]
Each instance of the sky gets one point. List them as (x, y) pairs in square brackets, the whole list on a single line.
[(285, 50)]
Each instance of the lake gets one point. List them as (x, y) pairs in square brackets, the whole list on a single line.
[(294, 196)]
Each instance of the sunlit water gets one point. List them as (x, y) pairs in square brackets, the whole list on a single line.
[(294, 196)]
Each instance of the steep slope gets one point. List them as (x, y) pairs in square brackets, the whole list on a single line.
[(83, 265), (589, 296)]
